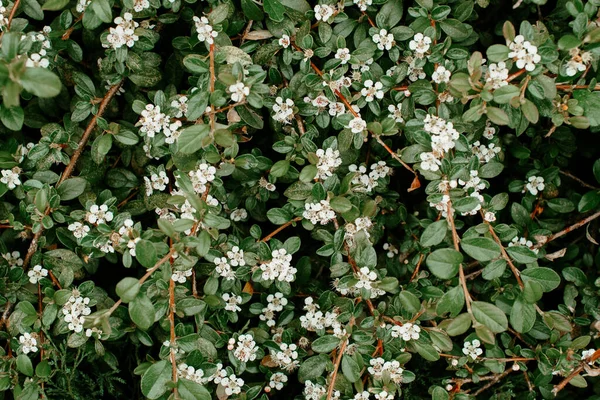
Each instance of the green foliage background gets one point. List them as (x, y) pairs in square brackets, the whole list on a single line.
[(145, 145)]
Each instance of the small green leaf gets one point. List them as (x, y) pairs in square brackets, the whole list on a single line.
[(141, 311), (435, 233), (480, 248), (490, 316), (444, 263), (154, 380), (127, 289), (41, 82)]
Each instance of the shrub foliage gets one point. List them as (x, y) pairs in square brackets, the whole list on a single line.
[(238, 199)]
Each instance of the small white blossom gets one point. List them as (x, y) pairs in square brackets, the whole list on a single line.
[(28, 343), (329, 160), (14, 259), (99, 214), (181, 276), (284, 110), (343, 55), (79, 230), (37, 273), (276, 301), (524, 52), (396, 113), (124, 33), (372, 90), (441, 75), (313, 391), (324, 12), (279, 268), (384, 40), (231, 302), (239, 91), (587, 354), (246, 348), (472, 349), (392, 250), (284, 41), (75, 310), (420, 44), (366, 278), (489, 216), (277, 380), (204, 30), (232, 384), (239, 214), (140, 5), (236, 257), (407, 332), (497, 75), (363, 4), (319, 213), (10, 177), (357, 125), (534, 185)]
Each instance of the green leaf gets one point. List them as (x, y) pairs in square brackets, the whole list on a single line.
[(274, 9), (101, 147), (33, 9), (154, 380), (350, 368), (55, 5), (435, 233), (490, 316), (521, 254), (252, 11), (409, 301), (454, 28), (530, 111), (340, 204), (494, 270), (459, 325), (141, 311), (325, 344), (146, 253), (190, 390), (24, 365), (279, 216), (71, 188), (41, 82), (522, 315), (250, 117), (480, 248), (390, 14), (190, 140), (102, 9), (546, 277), (505, 94), (280, 168), (497, 115), (496, 53), (312, 368), (127, 289), (12, 117), (451, 302), (444, 263), (589, 201), (425, 350), (567, 42)]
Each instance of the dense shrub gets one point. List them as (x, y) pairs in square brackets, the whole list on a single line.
[(369, 199)]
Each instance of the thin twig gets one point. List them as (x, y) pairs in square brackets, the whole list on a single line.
[(172, 333), (282, 227), (493, 382), (546, 239), (336, 366), (576, 179), (10, 18), (69, 31), (576, 371), (69, 168), (506, 257)]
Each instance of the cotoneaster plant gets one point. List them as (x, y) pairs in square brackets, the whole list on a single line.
[(236, 199)]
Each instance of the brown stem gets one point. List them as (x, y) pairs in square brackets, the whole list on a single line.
[(211, 116), (69, 168), (416, 271), (146, 276), (336, 366), (69, 31), (10, 17), (172, 336), (576, 371), (546, 239), (461, 272), (491, 383), (282, 227), (514, 269), (131, 196), (576, 179)]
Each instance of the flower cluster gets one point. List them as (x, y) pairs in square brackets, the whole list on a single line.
[(204, 30), (124, 33), (279, 267), (443, 136), (319, 213), (75, 310), (525, 53), (329, 160)]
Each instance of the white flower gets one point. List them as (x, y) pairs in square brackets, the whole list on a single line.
[(343, 55), (471, 349), (313, 391), (319, 213), (364, 395), (239, 91), (362, 4), (236, 257), (262, 182), (159, 181), (396, 112), (383, 395), (286, 357), (365, 278), (379, 368), (372, 90), (140, 5), (407, 332), (99, 214), (152, 120), (284, 41), (82, 5), (75, 310), (124, 33), (524, 52), (587, 354), (28, 343), (535, 185), (93, 332), (429, 162), (231, 302), (276, 301), (190, 373), (79, 230), (391, 250), (232, 384), (441, 75), (223, 268), (497, 75), (204, 30), (489, 131), (284, 111), (324, 12), (329, 160), (279, 268), (384, 40), (35, 60), (180, 104), (246, 348), (277, 380), (10, 178), (420, 44), (489, 216), (578, 61), (239, 214), (357, 125), (181, 276), (37, 273), (14, 259)]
